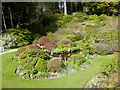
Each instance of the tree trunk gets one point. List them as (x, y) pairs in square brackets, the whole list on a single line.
[(108, 13), (65, 8), (10, 17), (4, 20), (80, 8), (18, 23), (90, 11)]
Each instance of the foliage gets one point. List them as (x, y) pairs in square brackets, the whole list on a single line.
[(79, 36), (80, 16), (67, 18), (43, 40), (64, 41), (76, 60), (35, 41), (8, 40), (108, 35), (32, 53), (110, 67), (54, 65), (93, 17), (102, 17), (70, 36), (106, 48), (23, 36), (74, 48), (60, 46), (41, 65), (50, 45)]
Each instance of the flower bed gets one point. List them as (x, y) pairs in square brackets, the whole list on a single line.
[(107, 78), (37, 65)]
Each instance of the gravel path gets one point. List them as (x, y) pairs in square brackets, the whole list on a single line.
[(13, 50)]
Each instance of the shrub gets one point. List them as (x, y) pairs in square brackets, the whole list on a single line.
[(60, 46), (32, 47), (110, 67), (71, 37), (8, 40), (81, 16), (93, 17), (64, 41), (59, 23), (73, 44), (74, 48), (78, 58), (79, 36), (54, 65), (46, 20), (43, 40), (67, 18), (108, 35), (102, 17), (28, 63), (106, 48), (35, 41), (31, 53), (50, 35), (23, 36), (41, 65), (50, 45)]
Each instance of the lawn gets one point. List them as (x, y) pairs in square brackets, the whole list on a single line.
[(75, 80)]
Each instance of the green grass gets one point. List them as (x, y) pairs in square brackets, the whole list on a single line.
[(75, 80)]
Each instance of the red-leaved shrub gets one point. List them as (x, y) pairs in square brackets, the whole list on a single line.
[(33, 47), (43, 40), (50, 45)]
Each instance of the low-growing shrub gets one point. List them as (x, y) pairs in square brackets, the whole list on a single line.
[(43, 40), (108, 35), (31, 53), (71, 37), (102, 17), (106, 48), (93, 17), (33, 47), (64, 41), (110, 67), (76, 60), (81, 16), (79, 36), (67, 18), (50, 45), (35, 41), (41, 65), (54, 65)]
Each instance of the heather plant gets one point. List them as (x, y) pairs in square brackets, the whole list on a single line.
[(106, 48)]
